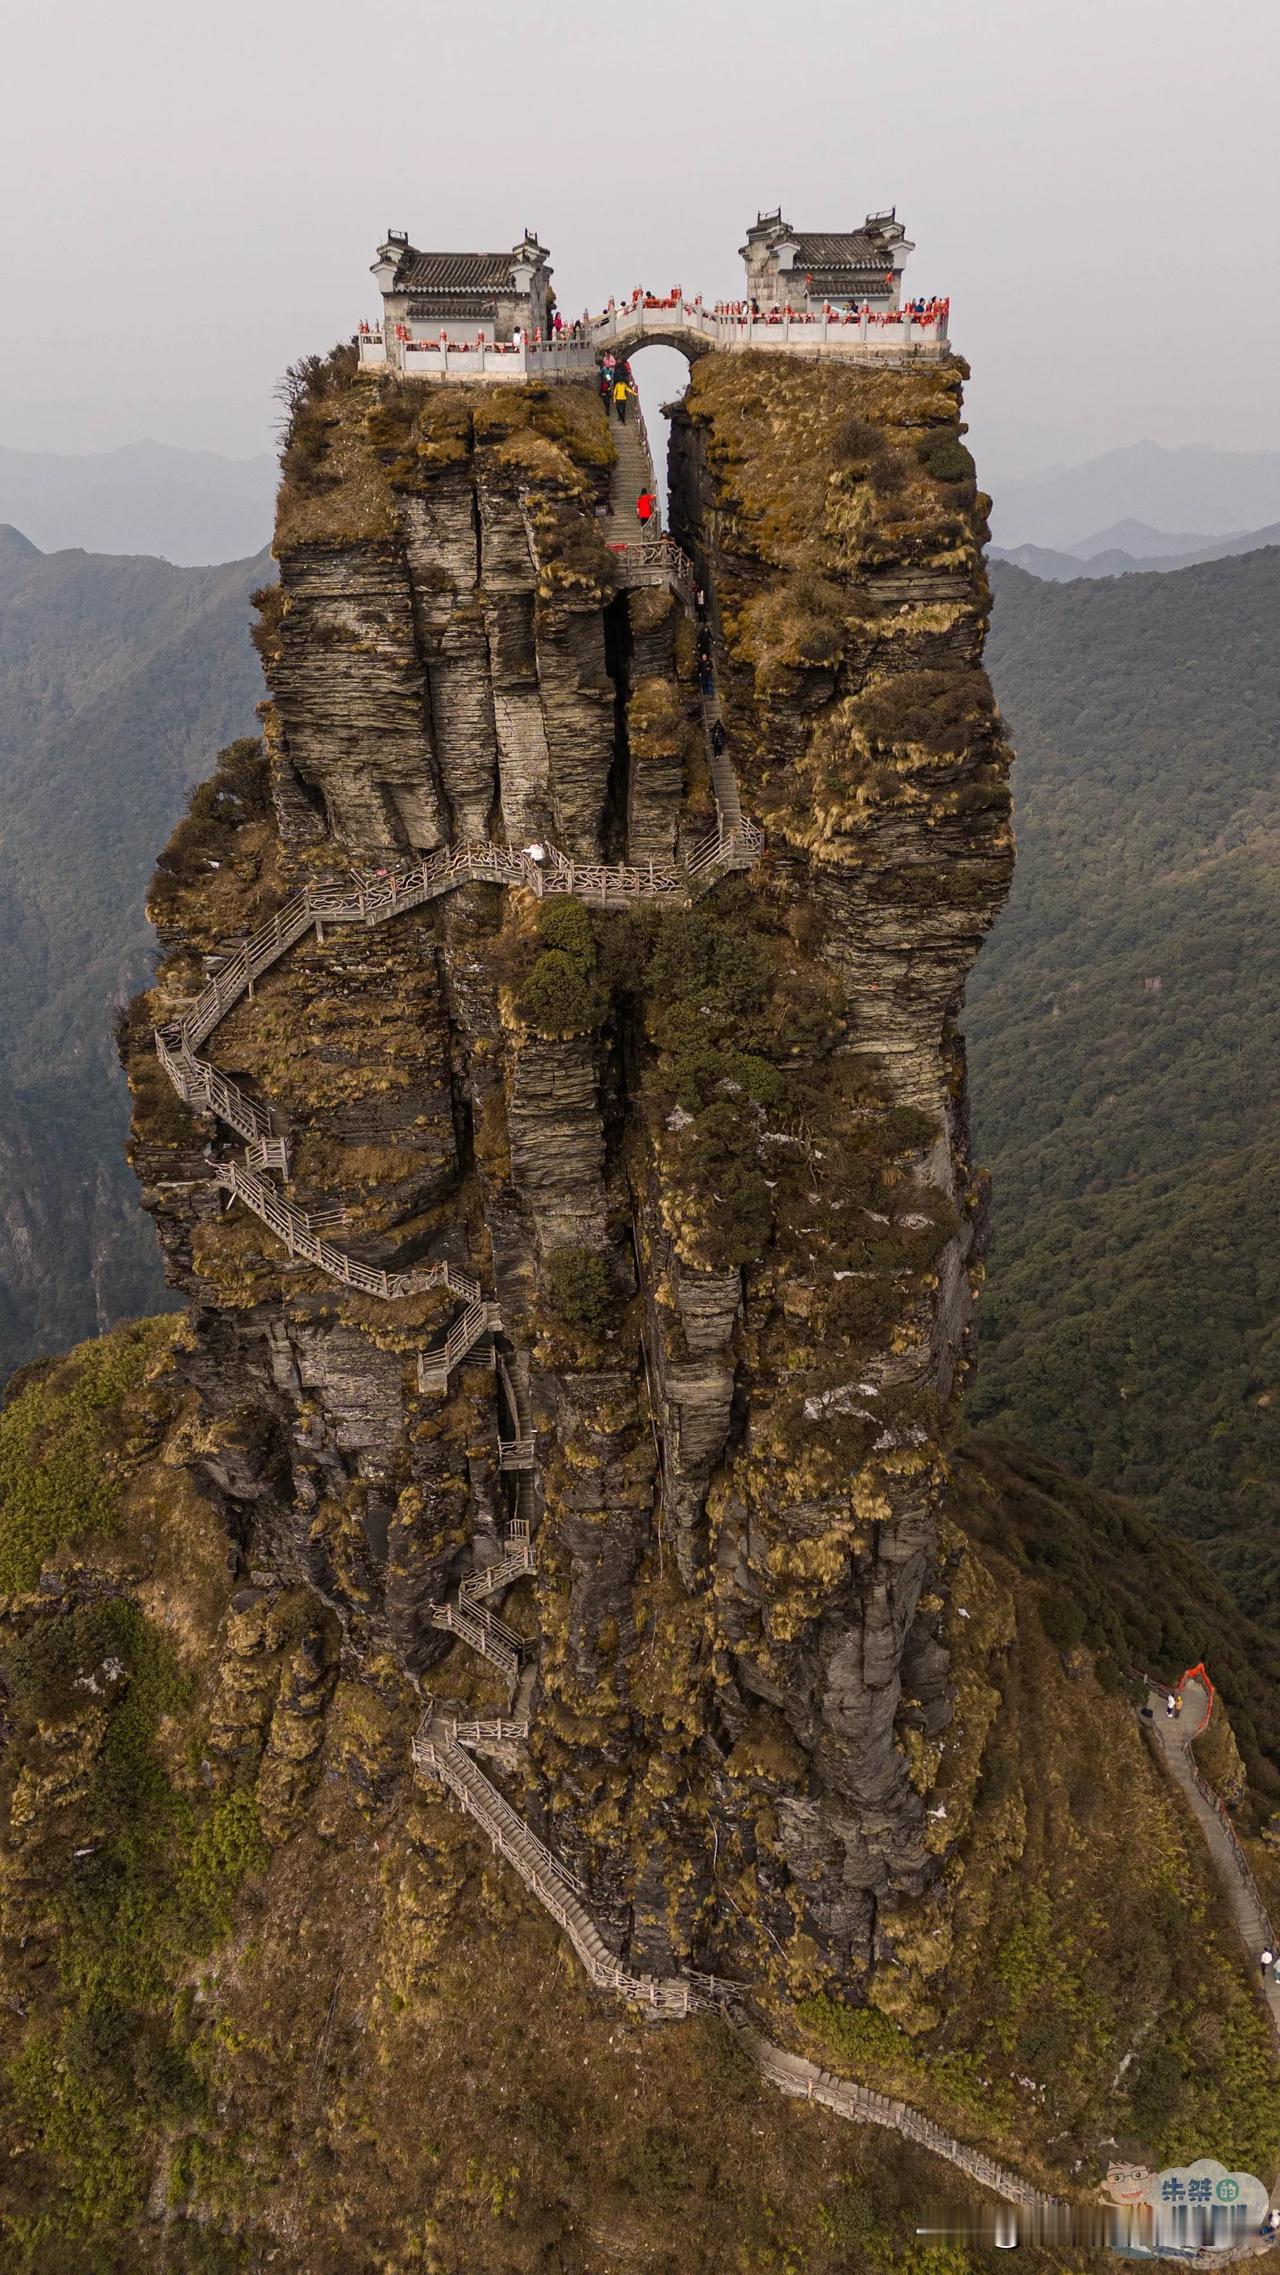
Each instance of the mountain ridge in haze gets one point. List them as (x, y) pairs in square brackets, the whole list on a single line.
[(1196, 488), (1141, 540), (1064, 568), (194, 508)]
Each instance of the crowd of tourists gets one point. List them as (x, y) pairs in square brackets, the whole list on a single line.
[(920, 310), (579, 330), (617, 385)]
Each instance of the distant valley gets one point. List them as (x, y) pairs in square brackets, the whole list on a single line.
[(1095, 559), (119, 678), (1209, 492)]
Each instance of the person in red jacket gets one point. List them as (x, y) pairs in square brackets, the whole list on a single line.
[(645, 504)]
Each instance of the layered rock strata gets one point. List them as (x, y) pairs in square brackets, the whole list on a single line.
[(711, 1161)]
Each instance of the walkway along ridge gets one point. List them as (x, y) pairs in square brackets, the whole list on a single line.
[(892, 337), (1172, 1740)]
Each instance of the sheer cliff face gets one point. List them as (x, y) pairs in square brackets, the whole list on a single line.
[(711, 1160)]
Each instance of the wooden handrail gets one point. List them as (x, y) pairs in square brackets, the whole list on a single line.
[(438, 1752), (294, 1228)]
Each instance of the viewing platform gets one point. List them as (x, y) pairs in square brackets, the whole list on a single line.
[(863, 335)]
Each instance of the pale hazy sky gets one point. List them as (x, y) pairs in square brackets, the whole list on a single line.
[(191, 197)]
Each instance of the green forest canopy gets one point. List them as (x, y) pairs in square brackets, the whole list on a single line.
[(1123, 1025)]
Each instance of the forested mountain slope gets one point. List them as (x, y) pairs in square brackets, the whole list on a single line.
[(248, 1951), (1123, 1027), (117, 676)]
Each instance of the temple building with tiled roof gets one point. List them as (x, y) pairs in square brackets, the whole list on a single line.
[(802, 269), (464, 296)]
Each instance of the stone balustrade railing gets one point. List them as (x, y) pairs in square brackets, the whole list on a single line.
[(859, 335), (839, 330)]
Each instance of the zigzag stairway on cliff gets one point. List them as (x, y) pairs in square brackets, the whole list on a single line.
[(707, 1204)]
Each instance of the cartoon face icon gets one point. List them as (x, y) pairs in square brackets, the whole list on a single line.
[(1127, 2183)]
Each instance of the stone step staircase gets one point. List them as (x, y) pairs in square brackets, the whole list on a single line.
[(270, 1153), (554, 1886), (807, 2081), (201, 1087), (724, 779), (438, 1751), (470, 1619), (480, 1318), (735, 845), (298, 1232), (632, 472), (515, 1452)]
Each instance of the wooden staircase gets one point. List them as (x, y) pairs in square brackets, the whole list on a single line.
[(480, 1318), (470, 1618), (514, 1564), (298, 1232), (438, 1755), (486, 1634)]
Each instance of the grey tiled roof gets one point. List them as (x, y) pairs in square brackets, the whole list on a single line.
[(453, 272), (856, 250)]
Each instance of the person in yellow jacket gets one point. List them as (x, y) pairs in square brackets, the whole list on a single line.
[(620, 394)]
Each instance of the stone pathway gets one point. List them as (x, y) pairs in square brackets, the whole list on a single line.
[(632, 473), (1248, 1910), (1172, 1738)]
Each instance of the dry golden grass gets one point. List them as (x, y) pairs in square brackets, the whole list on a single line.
[(348, 499)]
